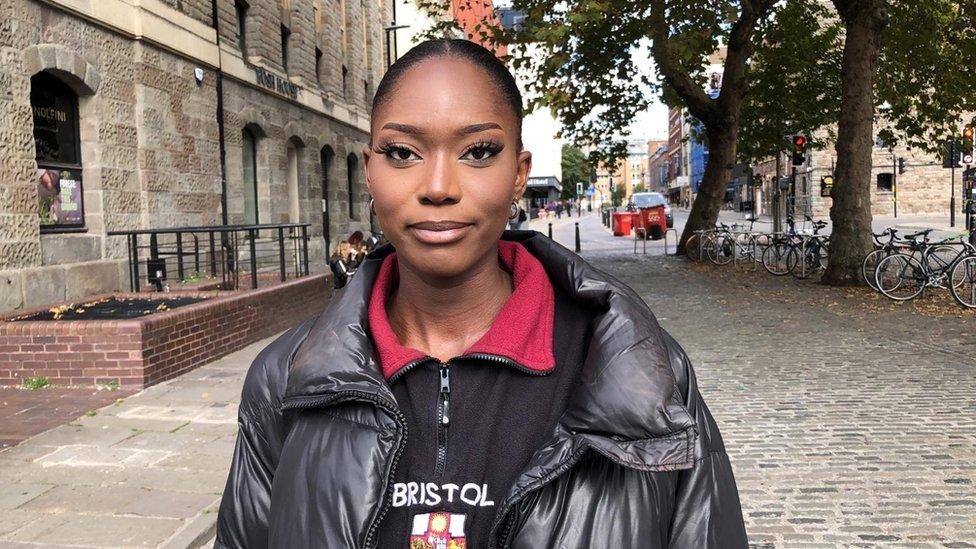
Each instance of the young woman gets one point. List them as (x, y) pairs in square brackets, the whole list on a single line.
[(472, 386)]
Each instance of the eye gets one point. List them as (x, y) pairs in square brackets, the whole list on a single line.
[(397, 154), (481, 152)]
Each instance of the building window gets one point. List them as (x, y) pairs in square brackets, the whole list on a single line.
[(325, 158), (293, 159), (240, 8), (250, 179), (884, 182), (285, 36), (351, 168), (345, 80), (318, 65), (365, 91), (57, 147)]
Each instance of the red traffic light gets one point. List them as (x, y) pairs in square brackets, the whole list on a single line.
[(800, 140), (967, 133)]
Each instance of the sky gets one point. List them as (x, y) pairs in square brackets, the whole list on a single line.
[(651, 124)]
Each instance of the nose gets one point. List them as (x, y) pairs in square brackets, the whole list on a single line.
[(441, 185)]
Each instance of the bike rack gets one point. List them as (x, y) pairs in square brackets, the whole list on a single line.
[(635, 243), (675, 231)]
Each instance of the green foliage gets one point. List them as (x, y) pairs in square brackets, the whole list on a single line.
[(639, 188), (794, 80), (38, 382), (582, 61), (576, 169), (925, 71), (617, 196)]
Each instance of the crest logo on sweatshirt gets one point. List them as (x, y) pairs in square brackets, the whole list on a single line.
[(437, 531)]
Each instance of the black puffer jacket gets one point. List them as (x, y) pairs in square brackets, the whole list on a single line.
[(635, 462)]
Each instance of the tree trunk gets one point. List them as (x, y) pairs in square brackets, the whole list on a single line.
[(711, 191), (850, 211)]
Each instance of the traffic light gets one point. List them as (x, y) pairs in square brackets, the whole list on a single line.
[(799, 150), (967, 145), (902, 167)]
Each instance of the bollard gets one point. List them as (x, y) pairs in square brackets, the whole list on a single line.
[(550, 230), (577, 237)]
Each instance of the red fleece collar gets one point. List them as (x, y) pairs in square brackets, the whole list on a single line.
[(522, 330)]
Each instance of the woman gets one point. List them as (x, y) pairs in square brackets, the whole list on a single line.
[(472, 386)]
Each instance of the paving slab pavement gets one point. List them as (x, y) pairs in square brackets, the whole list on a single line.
[(146, 471), (24, 413)]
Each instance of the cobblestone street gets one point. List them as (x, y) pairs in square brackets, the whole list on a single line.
[(849, 422)]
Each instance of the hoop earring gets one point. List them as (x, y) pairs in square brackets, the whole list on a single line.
[(513, 211), (371, 209)]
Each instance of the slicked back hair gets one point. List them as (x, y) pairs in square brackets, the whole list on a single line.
[(456, 48)]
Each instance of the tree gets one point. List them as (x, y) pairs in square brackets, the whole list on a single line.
[(576, 169), (850, 211), (617, 195), (584, 70), (794, 81), (923, 49)]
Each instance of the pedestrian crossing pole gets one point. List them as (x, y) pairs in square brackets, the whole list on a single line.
[(577, 237)]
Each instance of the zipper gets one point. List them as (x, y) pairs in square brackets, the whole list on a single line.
[(443, 417), (401, 440)]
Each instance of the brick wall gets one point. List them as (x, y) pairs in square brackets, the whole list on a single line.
[(145, 351)]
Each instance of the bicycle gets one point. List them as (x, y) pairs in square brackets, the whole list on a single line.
[(962, 280), (698, 243), (774, 257), (734, 243), (903, 277), (881, 250), (810, 254)]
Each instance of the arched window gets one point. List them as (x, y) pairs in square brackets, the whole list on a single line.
[(250, 179), (57, 146), (351, 175), (294, 158), (325, 158)]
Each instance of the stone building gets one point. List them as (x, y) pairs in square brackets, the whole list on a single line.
[(922, 189), (129, 114)]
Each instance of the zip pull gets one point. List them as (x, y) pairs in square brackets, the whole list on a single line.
[(445, 394)]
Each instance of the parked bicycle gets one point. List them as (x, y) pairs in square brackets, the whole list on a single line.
[(882, 249), (809, 256), (963, 280), (905, 276)]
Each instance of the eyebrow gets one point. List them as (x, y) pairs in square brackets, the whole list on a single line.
[(414, 130)]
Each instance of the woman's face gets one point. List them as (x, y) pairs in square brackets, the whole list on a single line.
[(444, 150)]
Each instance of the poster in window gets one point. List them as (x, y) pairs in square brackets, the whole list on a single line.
[(59, 198)]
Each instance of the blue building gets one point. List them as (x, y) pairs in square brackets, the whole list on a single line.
[(697, 157)]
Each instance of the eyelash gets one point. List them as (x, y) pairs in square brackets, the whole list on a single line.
[(489, 147)]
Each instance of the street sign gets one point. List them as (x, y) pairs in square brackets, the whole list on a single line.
[(590, 191), (826, 184)]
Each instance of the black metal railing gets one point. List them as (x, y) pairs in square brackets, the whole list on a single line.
[(230, 252)]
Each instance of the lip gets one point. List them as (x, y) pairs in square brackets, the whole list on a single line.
[(439, 232)]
